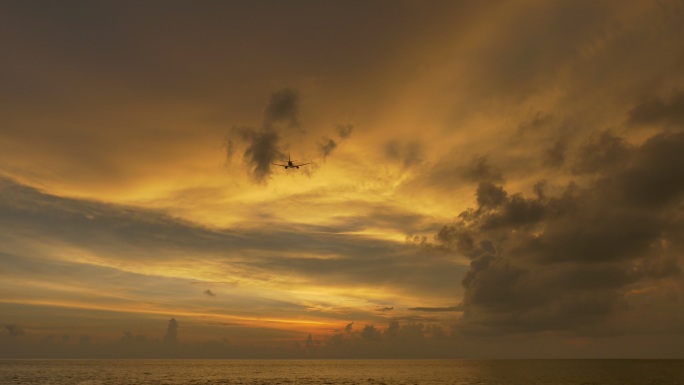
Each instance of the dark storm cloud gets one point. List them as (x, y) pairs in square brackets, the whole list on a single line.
[(601, 152), (657, 110), (653, 177), (490, 195), (568, 262)]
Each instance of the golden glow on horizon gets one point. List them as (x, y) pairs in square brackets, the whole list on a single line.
[(292, 324)]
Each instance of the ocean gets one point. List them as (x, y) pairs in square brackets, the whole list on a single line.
[(334, 372)]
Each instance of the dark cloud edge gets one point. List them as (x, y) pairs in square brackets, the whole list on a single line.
[(564, 263)]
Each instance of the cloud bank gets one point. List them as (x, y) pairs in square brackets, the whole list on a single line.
[(588, 259)]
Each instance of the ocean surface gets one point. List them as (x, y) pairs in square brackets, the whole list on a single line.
[(373, 372)]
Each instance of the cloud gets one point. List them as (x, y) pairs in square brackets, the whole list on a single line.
[(568, 262), (262, 146), (395, 339), (656, 110), (555, 155), (327, 147), (479, 169), (171, 336), (539, 122), (601, 152), (344, 130), (490, 195), (445, 173), (155, 255), (437, 309), (537, 72), (408, 153), (348, 328), (547, 37), (14, 330), (128, 338), (371, 333), (282, 108)]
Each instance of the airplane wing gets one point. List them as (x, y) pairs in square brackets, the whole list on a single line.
[(301, 164), (281, 165)]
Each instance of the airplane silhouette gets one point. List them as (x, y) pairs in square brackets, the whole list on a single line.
[(290, 163)]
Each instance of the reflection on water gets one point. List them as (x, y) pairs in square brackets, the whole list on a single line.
[(375, 372)]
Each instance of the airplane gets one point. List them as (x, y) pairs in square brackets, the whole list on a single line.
[(290, 163)]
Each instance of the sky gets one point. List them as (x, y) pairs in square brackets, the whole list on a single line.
[(488, 179)]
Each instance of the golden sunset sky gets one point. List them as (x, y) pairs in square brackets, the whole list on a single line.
[(487, 178)]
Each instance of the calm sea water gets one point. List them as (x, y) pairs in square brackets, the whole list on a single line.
[(373, 372)]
